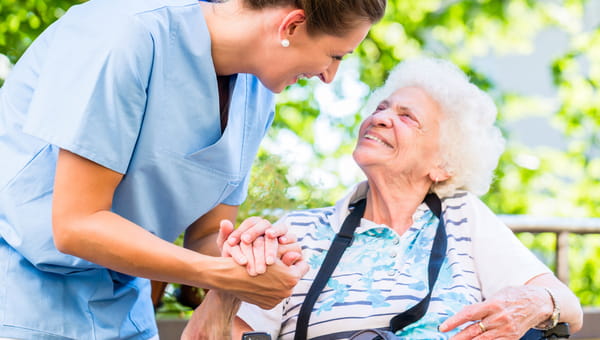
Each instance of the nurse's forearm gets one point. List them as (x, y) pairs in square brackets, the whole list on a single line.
[(116, 243), (110, 240)]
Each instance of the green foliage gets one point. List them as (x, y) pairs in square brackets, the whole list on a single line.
[(268, 194), (584, 255), (23, 20)]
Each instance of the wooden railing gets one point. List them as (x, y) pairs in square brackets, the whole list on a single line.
[(562, 227)]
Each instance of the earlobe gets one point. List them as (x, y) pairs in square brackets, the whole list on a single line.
[(439, 174)]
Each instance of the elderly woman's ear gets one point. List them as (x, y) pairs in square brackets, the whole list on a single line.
[(439, 174)]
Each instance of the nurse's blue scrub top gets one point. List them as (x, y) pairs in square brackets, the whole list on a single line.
[(128, 84)]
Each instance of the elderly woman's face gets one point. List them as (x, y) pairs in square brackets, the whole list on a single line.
[(401, 137)]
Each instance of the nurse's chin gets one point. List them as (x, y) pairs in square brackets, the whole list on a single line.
[(279, 86)]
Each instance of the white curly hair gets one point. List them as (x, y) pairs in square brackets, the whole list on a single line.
[(470, 143)]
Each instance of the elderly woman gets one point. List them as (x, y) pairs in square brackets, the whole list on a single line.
[(430, 131)]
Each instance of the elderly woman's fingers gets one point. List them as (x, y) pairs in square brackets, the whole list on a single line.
[(288, 238), (236, 253), (290, 253), (300, 268), (479, 331), (471, 332), (508, 314), (235, 237), (291, 258), (271, 249), (474, 312), (258, 249), (275, 235), (277, 230), (253, 229), (287, 248), (248, 251)]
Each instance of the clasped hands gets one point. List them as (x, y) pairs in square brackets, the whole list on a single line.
[(256, 244)]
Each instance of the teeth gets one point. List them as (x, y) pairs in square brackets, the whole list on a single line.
[(371, 137)]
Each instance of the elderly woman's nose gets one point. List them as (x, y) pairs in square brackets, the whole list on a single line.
[(382, 118)]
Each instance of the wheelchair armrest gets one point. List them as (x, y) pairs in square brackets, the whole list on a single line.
[(560, 331)]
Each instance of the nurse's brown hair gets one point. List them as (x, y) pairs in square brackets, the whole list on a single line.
[(335, 17)]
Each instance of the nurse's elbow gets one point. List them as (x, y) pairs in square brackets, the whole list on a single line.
[(64, 234)]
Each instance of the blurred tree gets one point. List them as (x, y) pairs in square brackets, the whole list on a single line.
[(23, 20)]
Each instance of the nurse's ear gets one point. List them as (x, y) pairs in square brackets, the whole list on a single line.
[(290, 24)]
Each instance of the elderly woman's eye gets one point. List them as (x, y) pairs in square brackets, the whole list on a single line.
[(380, 107)]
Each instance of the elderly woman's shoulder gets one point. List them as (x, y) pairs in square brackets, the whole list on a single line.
[(318, 214), (465, 201)]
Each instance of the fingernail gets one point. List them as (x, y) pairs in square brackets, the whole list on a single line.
[(232, 240), (270, 260), (246, 238), (283, 239)]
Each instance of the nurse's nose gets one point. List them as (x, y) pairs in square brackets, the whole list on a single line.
[(330, 72)]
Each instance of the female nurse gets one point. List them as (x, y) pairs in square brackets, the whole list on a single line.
[(125, 124)]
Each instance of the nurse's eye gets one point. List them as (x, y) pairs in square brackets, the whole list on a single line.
[(338, 57)]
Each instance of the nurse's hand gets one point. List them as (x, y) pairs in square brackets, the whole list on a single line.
[(265, 290), (257, 244)]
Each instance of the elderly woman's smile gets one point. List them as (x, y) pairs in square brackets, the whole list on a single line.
[(377, 139)]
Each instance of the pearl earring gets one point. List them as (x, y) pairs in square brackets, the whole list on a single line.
[(285, 43)]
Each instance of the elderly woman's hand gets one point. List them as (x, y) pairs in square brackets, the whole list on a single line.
[(257, 243), (509, 314)]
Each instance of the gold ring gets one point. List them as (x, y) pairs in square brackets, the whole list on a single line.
[(482, 327)]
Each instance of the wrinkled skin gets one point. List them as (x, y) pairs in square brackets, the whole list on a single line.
[(509, 314)]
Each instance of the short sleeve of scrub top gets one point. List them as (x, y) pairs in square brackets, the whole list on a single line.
[(90, 99)]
